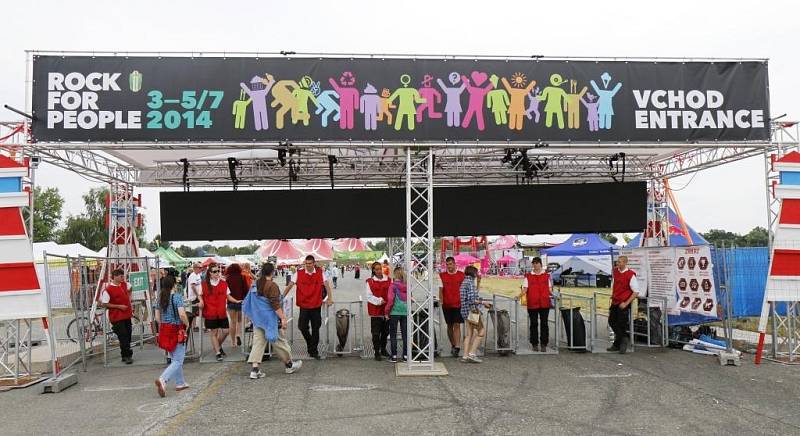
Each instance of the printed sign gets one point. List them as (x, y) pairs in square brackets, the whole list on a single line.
[(137, 98)]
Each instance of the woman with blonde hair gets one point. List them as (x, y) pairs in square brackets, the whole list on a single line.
[(397, 312)]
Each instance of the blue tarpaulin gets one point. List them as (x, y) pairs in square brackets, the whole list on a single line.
[(582, 244), (747, 268)]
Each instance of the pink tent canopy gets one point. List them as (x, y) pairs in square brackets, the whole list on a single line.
[(503, 243), (321, 249), (349, 244), (285, 251), (505, 260), (464, 259)]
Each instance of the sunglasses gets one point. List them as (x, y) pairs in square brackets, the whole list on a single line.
[(214, 271)]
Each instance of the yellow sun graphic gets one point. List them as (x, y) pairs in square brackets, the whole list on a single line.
[(518, 80)]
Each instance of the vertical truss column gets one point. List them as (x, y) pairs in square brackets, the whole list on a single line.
[(657, 232), (393, 245), (419, 258)]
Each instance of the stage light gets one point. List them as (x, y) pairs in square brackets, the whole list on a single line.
[(332, 160), (185, 163), (232, 164)]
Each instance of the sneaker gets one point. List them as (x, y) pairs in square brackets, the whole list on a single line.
[(181, 388), (238, 341), (221, 351), (296, 364), (535, 347), (256, 374), (220, 357), (623, 346), (474, 359), (162, 391), (465, 359), (316, 356), (613, 349), (378, 357), (454, 351), (543, 348), (393, 359)]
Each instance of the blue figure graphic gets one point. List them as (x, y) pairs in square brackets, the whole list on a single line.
[(452, 106), (533, 106), (326, 105), (604, 98), (257, 91)]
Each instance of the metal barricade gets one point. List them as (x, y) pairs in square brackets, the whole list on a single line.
[(351, 341), (502, 305), (576, 337), (655, 316)]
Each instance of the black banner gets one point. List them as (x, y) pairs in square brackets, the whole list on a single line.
[(582, 208), (371, 99)]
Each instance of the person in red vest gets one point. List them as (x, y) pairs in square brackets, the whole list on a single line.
[(116, 298), (625, 287), (213, 300), (377, 296), (310, 282), (450, 296), (538, 288)]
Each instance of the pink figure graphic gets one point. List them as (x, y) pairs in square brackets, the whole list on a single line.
[(429, 94), (370, 107), (348, 98), (476, 97)]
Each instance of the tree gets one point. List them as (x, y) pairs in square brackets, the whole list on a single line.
[(158, 242), (47, 206), (88, 228), (609, 237), (718, 237), (757, 237)]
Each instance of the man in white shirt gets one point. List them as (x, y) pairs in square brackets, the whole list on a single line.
[(194, 287)]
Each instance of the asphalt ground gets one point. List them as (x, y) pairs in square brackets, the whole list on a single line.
[(650, 391)]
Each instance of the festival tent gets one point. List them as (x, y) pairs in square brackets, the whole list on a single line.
[(321, 249), (71, 250), (170, 256), (506, 260), (585, 246), (503, 243), (463, 260), (677, 236), (283, 250), (349, 244)]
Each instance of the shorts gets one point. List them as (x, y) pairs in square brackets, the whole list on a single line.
[(213, 324), (452, 315), (235, 306), (195, 307)]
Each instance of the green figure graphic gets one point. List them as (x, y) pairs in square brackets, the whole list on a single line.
[(556, 101), (302, 95), (406, 107), (240, 111), (574, 105), (497, 100)]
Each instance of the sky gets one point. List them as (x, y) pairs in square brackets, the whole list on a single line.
[(730, 197)]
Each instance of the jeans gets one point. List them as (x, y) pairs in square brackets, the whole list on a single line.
[(314, 317), (334, 282), (175, 368), (379, 328), (393, 321), (124, 329), (618, 320), (542, 327)]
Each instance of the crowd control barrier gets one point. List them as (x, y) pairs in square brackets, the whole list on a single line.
[(348, 329), (575, 331)]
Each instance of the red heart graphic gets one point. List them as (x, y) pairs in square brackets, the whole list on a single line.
[(478, 77)]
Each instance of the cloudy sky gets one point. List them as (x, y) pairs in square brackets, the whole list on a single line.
[(730, 197)]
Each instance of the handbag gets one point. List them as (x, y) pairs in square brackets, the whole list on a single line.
[(474, 318), (181, 330)]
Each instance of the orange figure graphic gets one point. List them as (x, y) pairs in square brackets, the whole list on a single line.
[(573, 105), (518, 92), (386, 106)]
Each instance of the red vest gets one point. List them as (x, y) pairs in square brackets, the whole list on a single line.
[(622, 286), (379, 289), (214, 300), (309, 289), (538, 293), (451, 289), (118, 294)]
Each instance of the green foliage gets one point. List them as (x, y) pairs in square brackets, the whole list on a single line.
[(609, 237), (88, 228), (757, 237), (47, 207)]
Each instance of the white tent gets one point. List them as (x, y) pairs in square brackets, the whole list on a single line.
[(71, 250)]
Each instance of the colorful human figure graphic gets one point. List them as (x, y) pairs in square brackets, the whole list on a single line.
[(555, 100), (573, 105), (370, 106), (348, 98), (257, 91), (326, 103), (592, 116), (518, 91), (605, 97), (533, 104), (240, 110), (302, 94), (452, 106), (432, 97), (283, 99), (497, 101), (476, 97), (386, 107), (408, 98)]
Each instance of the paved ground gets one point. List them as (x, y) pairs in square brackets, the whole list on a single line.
[(653, 392)]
